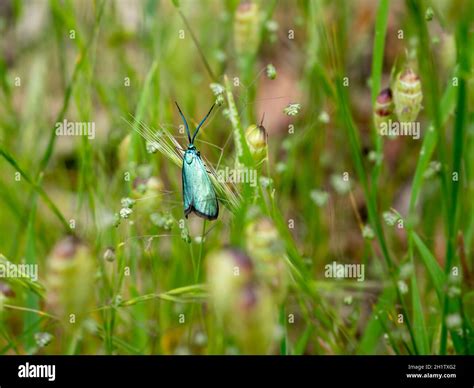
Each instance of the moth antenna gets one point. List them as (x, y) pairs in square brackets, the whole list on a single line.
[(202, 122), (185, 122), (263, 117)]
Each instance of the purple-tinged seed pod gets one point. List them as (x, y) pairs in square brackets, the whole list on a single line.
[(383, 109)]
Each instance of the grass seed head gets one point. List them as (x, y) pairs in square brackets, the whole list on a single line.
[(227, 271), (407, 96), (256, 323), (246, 28), (264, 244), (71, 271)]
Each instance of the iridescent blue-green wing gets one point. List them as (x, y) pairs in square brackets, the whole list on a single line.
[(198, 193), (205, 200), (187, 188)]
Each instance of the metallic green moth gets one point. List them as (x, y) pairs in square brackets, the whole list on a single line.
[(198, 193)]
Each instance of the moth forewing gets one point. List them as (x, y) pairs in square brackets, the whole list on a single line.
[(198, 191)]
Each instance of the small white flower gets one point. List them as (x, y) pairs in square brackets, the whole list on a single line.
[(453, 321), (125, 212), (271, 71), (127, 202), (292, 109), (217, 89), (340, 185), (402, 286), (319, 197), (265, 181), (367, 232), (324, 117), (390, 218), (43, 339), (152, 147)]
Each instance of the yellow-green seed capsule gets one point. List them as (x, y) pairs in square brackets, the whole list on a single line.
[(256, 137), (383, 109), (264, 244), (246, 28), (70, 281), (407, 96)]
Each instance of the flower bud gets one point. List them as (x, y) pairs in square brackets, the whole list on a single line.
[(407, 96), (256, 137), (70, 280), (383, 109), (246, 28), (109, 254)]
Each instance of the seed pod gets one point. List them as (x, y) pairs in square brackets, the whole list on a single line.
[(246, 28), (256, 137), (241, 300), (227, 271), (70, 280), (383, 109), (263, 242), (255, 320), (5, 293), (407, 96)]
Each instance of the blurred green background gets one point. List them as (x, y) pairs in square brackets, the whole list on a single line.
[(136, 277)]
